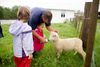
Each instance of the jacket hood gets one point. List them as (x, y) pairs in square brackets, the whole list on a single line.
[(18, 27)]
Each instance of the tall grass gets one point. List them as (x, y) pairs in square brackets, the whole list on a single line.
[(47, 57), (97, 46)]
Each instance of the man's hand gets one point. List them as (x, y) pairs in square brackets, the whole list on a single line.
[(56, 31), (49, 28)]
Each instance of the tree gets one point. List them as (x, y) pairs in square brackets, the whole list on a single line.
[(1, 13), (84, 28), (92, 26), (14, 12), (7, 13), (10, 13)]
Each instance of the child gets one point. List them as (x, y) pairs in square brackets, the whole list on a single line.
[(38, 45), (23, 41)]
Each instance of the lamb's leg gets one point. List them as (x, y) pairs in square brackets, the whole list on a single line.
[(83, 54), (58, 53), (80, 51)]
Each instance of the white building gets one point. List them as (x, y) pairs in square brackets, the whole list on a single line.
[(60, 15)]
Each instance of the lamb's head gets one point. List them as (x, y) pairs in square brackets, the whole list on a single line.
[(53, 36)]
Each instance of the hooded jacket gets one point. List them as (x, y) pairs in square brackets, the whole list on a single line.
[(23, 40)]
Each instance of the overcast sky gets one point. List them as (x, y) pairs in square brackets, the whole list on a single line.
[(58, 4)]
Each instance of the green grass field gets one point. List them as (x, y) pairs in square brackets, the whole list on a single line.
[(47, 57)]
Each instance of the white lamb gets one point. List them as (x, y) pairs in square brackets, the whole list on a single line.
[(67, 44)]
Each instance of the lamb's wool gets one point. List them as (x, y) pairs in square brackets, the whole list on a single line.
[(66, 44)]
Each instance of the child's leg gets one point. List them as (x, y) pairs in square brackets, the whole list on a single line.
[(22, 62), (17, 61), (25, 62)]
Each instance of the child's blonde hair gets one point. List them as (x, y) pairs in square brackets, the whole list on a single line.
[(23, 13)]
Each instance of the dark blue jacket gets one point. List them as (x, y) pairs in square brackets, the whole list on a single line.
[(36, 17)]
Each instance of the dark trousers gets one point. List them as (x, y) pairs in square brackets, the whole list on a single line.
[(1, 32)]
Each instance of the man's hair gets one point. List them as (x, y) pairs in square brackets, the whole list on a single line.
[(23, 12), (47, 14)]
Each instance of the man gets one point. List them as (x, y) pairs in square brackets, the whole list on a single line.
[(38, 16), (1, 32)]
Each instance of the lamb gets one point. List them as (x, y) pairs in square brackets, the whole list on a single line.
[(66, 44)]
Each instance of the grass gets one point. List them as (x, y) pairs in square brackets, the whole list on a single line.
[(97, 46), (47, 57)]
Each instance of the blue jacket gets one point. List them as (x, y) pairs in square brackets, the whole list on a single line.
[(35, 17)]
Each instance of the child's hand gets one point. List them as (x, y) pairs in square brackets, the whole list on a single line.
[(42, 40), (30, 56), (46, 40)]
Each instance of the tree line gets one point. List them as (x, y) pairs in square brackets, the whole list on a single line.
[(8, 13)]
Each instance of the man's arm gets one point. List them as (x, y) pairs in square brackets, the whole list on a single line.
[(49, 28)]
